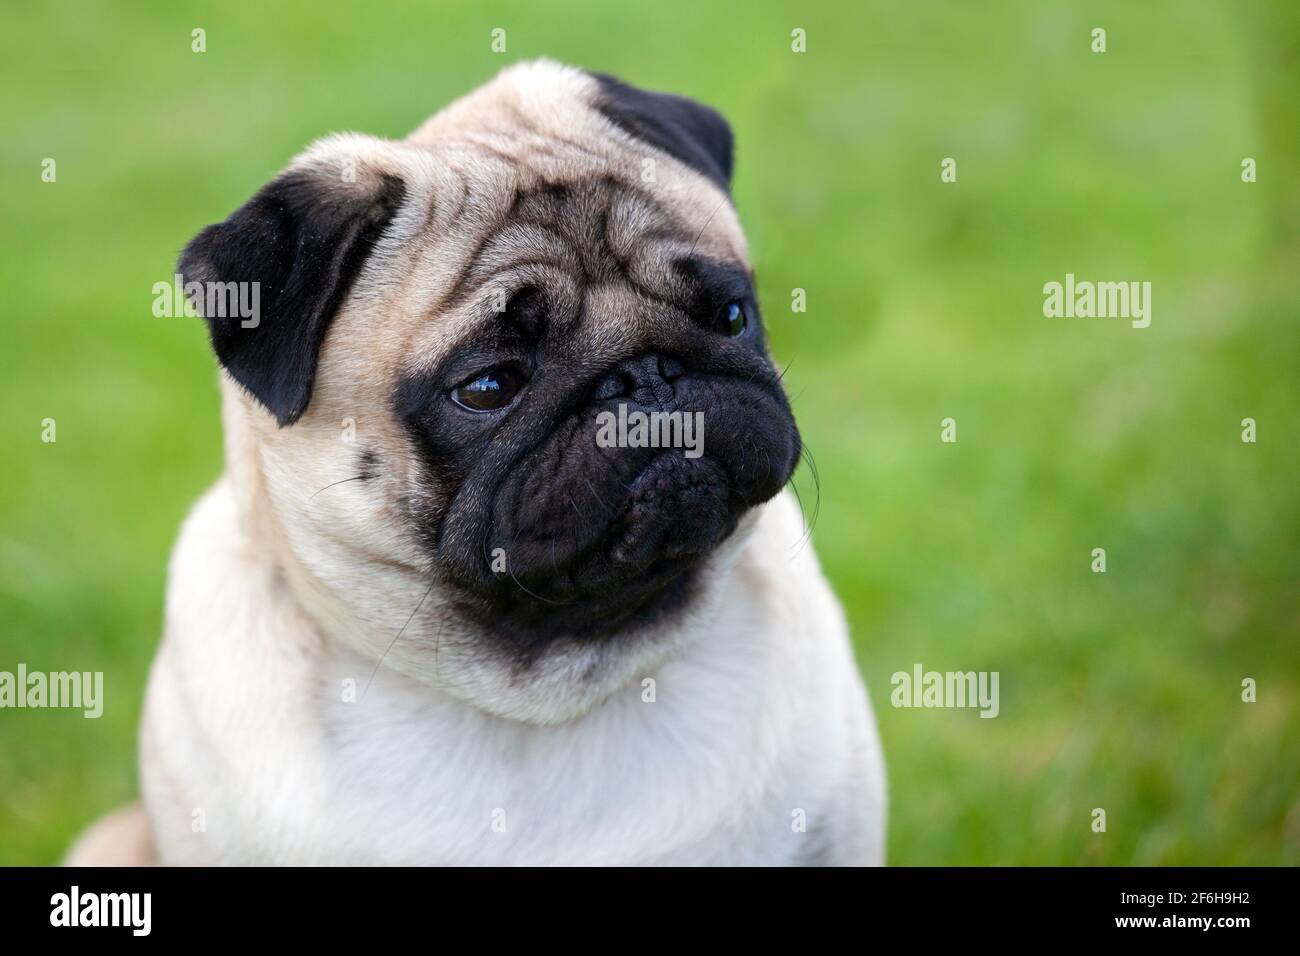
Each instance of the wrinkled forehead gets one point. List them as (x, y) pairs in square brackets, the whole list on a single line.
[(611, 244), (526, 182), (538, 125), (580, 237)]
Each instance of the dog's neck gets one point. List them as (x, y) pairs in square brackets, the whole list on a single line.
[(437, 647)]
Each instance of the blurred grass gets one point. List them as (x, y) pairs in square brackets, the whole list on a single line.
[(1119, 691)]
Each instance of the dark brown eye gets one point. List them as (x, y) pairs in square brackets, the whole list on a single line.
[(489, 391), (735, 319)]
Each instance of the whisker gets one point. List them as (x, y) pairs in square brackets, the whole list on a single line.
[(700, 235), (378, 663), (609, 511), (524, 589), (754, 374), (531, 594), (806, 454), (341, 481), (803, 512)]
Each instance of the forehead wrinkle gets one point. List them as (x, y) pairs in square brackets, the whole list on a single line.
[(610, 325), (594, 230), (629, 223), (564, 231), (518, 241)]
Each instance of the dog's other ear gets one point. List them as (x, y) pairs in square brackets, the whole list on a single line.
[(691, 132), (302, 239)]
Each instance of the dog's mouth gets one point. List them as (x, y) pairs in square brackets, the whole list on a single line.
[(613, 559), (676, 510), (593, 531)]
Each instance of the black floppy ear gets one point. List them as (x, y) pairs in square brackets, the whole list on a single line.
[(299, 244), (684, 129)]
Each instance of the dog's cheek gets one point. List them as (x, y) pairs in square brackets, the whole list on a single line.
[(560, 501), (750, 431)]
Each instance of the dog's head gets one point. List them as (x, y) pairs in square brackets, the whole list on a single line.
[(517, 358)]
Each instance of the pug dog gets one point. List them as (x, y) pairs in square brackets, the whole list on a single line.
[(426, 616)]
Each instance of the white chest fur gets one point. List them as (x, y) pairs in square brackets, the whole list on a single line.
[(265, 743)]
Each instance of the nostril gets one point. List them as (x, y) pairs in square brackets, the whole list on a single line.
[(670, 368), (611, 386), (644, 377)]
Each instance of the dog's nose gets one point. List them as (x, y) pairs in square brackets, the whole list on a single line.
[(646, 380)]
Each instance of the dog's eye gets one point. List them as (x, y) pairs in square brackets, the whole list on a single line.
[(735, 319), (489, 391)]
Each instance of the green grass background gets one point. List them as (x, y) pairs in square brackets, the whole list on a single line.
[(1118, 690)]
